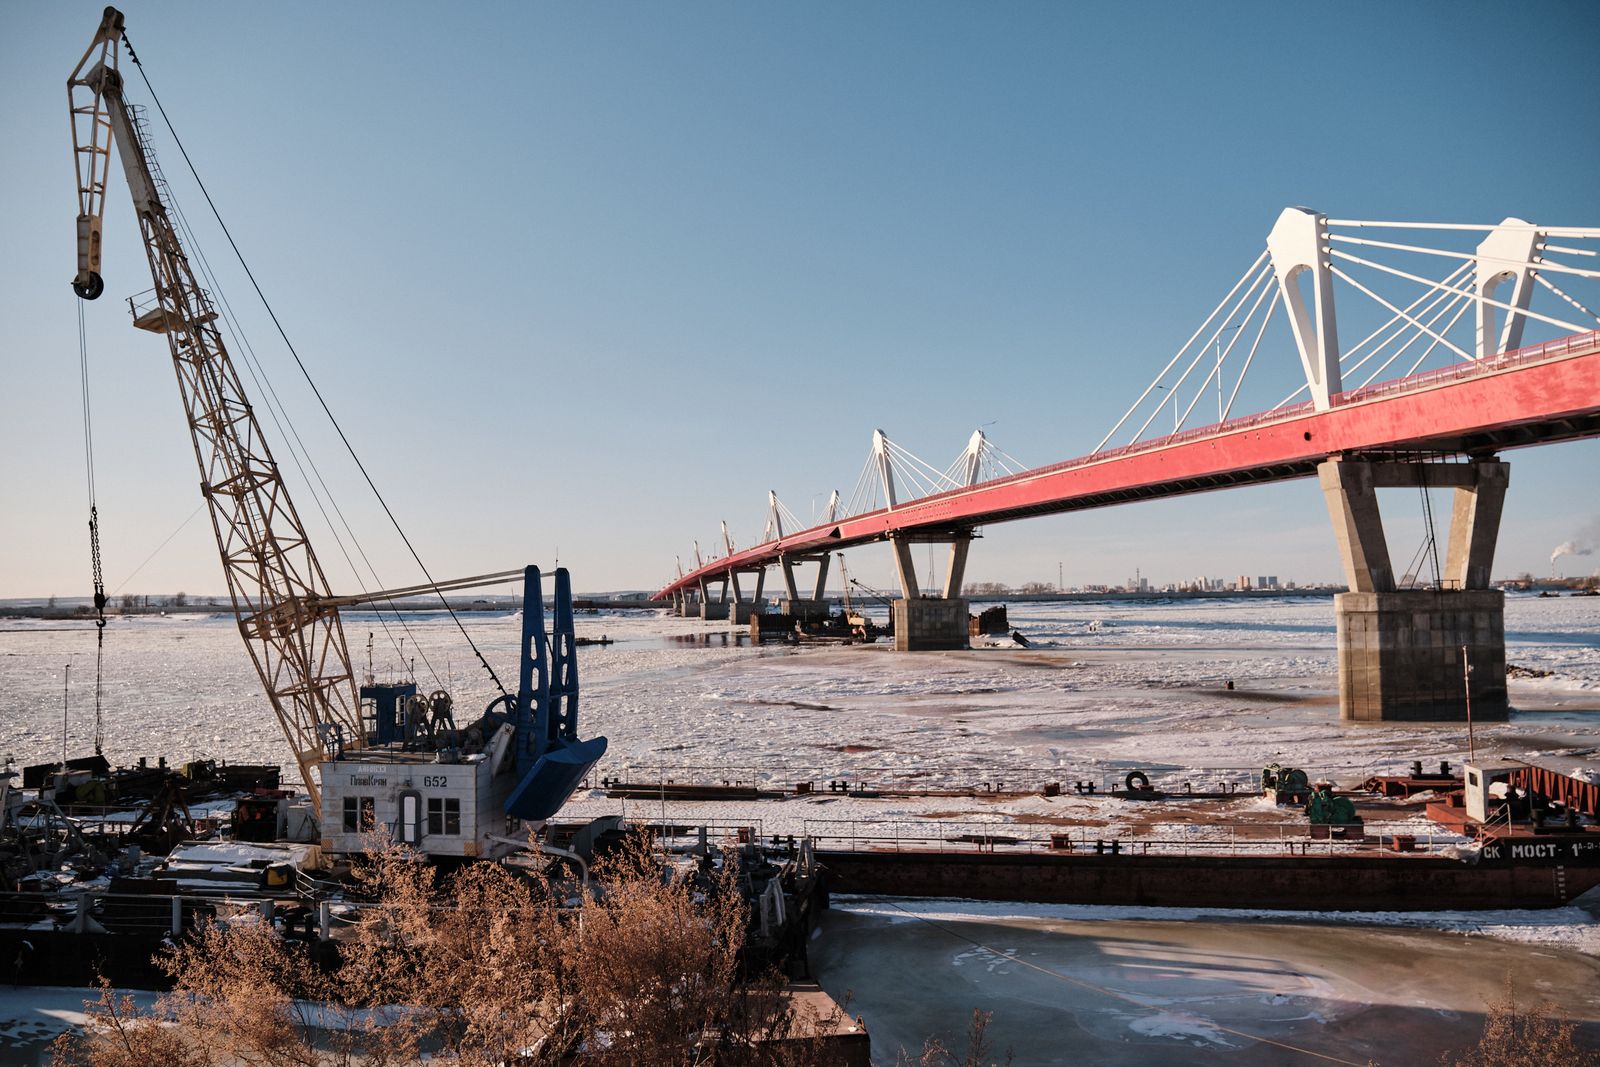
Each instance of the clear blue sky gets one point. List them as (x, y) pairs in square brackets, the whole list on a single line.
[(591, 277)]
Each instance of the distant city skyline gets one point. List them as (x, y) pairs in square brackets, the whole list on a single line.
[(582, 281)]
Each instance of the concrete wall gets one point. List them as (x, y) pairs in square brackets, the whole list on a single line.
[(927, 624), (1400, 655)]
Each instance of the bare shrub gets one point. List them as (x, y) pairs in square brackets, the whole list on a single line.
[(978, 1051), (482, 969), (1531, 1037)]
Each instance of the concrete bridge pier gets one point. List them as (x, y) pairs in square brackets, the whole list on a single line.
[(814, 606), (1400, 650), (740, 609), (928, 623), (713, 610)]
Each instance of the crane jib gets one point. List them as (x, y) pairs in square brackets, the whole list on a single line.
[(271, 569)]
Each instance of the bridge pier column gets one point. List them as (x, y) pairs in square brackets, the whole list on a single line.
[(929, 623), (1400, 650), (814, 607), (739, 609), (712, 610)]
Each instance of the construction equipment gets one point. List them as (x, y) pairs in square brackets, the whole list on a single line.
[(449, 791), (1285, 785), (275, 583), (859, 623), (522, 759)]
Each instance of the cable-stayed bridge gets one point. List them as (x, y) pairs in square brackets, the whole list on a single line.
[(1473, 340)]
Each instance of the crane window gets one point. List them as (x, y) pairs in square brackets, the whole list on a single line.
[(360, 815), (444, 816)]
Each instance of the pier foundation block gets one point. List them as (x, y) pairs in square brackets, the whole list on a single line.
[(930, 624), (739, 613), (804, 609), (1400, 655), (712, 610)]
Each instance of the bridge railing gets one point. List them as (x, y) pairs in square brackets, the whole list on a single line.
[(1561, 346)]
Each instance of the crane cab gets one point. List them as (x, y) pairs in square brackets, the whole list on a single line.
[(444, 801)]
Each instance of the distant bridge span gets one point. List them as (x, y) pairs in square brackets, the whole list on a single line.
[(1404, 652), (1537, 395)]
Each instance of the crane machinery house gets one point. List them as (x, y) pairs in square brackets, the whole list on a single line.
[(420, 781), (470, 791)]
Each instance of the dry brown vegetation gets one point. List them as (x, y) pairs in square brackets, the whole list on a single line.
[(483, 969), (1525, 1037), (977, 1053)]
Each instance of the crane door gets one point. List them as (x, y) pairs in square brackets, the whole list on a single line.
[(409, 828)]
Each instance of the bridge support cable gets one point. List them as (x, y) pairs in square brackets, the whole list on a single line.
[(1261, 280), (1422, 306), (981, 461), (1457, 349), (1461, 308), (1245, 277), (1565, 325), (1436, 304), (1548, 284), (1550, 231), (1222, 357), (1277, 298)]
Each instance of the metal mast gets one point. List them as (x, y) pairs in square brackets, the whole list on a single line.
[(280, 596)]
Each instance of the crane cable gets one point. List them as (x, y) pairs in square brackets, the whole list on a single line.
[(303, 371), (94, 533)]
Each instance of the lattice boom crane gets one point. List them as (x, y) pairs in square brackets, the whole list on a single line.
[(279, 593)]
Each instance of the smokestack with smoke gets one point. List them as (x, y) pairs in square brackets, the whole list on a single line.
[(1582, 545), (1569, 548)]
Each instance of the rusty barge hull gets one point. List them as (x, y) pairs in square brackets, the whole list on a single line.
[(1299, 883)]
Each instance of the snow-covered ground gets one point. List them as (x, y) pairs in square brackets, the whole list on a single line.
[(1107, 687)]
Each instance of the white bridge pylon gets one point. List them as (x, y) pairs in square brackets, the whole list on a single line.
[(888, 473), (1386, 278)]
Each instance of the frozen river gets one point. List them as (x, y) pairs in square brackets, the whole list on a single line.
[(1105, 685), (1105, 688)]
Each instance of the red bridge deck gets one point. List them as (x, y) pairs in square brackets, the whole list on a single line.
[(1534, 395)]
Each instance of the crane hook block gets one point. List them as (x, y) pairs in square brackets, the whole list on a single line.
[(90, 287)]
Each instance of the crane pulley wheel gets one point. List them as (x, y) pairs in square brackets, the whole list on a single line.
[(90, 289)]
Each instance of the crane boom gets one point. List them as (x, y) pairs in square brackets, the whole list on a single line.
[(279, 594)]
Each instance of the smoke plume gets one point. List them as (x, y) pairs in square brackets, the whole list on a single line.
[(1582, 545), (1569, 548)]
